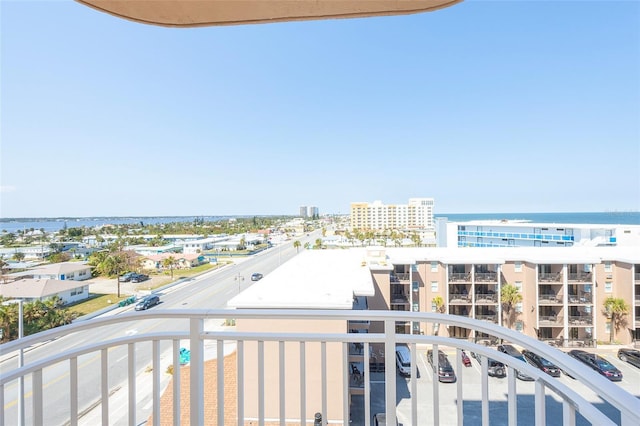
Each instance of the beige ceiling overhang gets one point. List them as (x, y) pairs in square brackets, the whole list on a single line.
[(201, 13)]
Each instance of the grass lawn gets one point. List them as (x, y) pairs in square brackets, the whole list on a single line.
[(100, 301)]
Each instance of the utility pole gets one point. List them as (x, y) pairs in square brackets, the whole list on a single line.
[(239, 278)]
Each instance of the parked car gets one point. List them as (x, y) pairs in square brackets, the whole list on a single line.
[(540, 362), (495, 368), (256, 276), (512, 351), (632, 356), (445, 372), (598, 363), (465, 359), (125, 278), (138, 278), (148, 302), (380, 419)]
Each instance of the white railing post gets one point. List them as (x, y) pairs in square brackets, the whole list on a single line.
[(512, 397), (176, 383), (131, 362), (196, 386), (390, 370)]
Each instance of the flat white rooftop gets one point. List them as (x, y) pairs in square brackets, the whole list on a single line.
[(314, 279)]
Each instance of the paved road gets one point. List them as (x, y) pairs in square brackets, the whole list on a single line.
[(211, 290)]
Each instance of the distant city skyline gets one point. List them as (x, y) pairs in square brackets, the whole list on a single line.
[(485, 107)]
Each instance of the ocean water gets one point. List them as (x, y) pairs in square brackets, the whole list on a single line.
[(55, 224), (608, 218)]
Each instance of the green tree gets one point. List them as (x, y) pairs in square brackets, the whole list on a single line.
[(18, 256), (510, 296), (616, 309), (115, 263), (296, 245), (169, 262), (318, 244), (4, 267), (438, 302)]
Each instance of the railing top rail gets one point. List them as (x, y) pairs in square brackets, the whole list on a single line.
[(615, 395)]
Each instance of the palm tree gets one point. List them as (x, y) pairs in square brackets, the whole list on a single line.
[(307, 245), (616, 309), (114, 263), (510, 296), (297, 245), (169, 262), (438, 302)]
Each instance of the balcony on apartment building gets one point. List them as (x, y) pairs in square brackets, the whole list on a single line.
[(460, 294), (551, 316), (550, 294), (484, 277), (485, 314), (459, 277), (486, 294), (236, 375), (550, 277), (580, 277)]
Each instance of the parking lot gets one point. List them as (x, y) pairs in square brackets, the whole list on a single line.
[(471, 380)]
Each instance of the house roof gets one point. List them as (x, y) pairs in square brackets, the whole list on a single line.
[(189, 13), (32, 288), (177, 256), (60, 268)]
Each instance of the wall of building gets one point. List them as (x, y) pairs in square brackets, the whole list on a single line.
[(313, 370)]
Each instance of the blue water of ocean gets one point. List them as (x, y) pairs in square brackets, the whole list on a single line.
[(608, 218), (55, 224)]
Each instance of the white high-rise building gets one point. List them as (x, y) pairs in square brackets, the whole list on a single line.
[(309, 211), (416, 215)]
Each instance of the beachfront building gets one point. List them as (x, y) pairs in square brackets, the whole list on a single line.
[(520, 233), (416, 215)]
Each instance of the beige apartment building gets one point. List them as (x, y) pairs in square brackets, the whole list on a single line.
[(563, 291), (416, 215)]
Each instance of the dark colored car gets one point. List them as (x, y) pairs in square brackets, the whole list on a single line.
[(598, 363), (148, 302), (512, 351), (446, 373), (256, 276), (540, 362), (495, 368), (138, 278), (632, 356), (125, 278)]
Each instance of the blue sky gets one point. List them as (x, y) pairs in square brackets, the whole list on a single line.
[(486, 106)]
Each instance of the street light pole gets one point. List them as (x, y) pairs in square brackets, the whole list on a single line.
[(20, 357), (239, 278)]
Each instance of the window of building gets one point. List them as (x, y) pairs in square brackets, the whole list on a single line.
[(607, 266), (519, 326), (518, 308), (518, 285), (608, 287), (414, 268), (518, 266), (434, 266), (607, 327), (434, 285)]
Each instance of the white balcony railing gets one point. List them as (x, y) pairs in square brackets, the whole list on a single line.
[(196, 333)]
